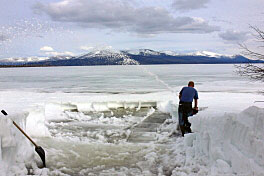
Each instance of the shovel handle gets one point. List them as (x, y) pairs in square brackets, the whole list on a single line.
[(25, 134)]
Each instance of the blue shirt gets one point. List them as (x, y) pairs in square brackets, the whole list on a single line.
[(188, 94)]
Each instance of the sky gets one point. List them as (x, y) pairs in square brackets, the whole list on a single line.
[(57, 27)]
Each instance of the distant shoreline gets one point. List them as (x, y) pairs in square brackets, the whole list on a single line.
[(19, 66), (25, 66)]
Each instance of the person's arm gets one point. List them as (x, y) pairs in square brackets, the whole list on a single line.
[(196, 100), (196, 104)]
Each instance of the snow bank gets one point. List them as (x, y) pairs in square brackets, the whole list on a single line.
[(233, 143), (15, 150)]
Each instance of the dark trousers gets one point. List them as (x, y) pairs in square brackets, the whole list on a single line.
[(184, 111)]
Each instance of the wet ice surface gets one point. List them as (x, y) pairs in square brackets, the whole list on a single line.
[(76, 158), (110, 142)]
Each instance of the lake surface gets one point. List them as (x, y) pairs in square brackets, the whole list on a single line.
[(122, 79)]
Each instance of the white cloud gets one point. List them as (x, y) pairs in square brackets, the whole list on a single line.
[(121, 16), (234, 36), (187, 5), (97, 47), (86, 48), (46, 49), (49, 51), (54, 53)]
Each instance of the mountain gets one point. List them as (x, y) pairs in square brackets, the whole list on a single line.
[(128, 57)]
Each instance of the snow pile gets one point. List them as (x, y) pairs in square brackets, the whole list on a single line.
[(15, 151), (233, 143), (37, 119), (35, 124)]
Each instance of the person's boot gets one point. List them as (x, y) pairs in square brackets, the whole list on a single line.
[(188, 127), (182, 130)]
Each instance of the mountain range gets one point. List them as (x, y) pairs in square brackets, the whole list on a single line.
[(129, 57)]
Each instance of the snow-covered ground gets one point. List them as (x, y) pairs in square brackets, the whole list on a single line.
[(83, 117)]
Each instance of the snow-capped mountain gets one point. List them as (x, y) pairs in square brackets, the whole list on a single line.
[(208, 54), (109, 56), (128, 57)]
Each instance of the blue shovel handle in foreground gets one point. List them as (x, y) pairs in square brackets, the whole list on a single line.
[(38, 149)]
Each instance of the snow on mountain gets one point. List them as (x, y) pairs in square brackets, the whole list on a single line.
[(144, 52), (111, 55), (61, 57), (33, 59), (147, 52), (104, 53), (24, 59), (128, 61), (208, 54), (170, 53)]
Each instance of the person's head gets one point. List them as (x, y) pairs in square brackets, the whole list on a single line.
[(191, 84)]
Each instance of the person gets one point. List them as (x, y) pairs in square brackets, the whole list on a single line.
[(186, 96)]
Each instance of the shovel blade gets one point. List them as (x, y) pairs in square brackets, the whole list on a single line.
[(41, 154)]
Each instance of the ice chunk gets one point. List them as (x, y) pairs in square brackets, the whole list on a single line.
[(6, 133), (54, 111), (35, 124)]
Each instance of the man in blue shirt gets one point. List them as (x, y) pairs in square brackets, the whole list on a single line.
[(187, 94)]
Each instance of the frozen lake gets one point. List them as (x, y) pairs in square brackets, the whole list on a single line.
[(104, 120), (123, 79)]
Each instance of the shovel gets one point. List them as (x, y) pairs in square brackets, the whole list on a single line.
[(38, 149)]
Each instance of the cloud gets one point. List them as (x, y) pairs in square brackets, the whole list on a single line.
[(234, 36), (187, 5), (51, 52), (97, 47), (46, 48), (54, 53), (120, 16), (86, 48), (216, 19)]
